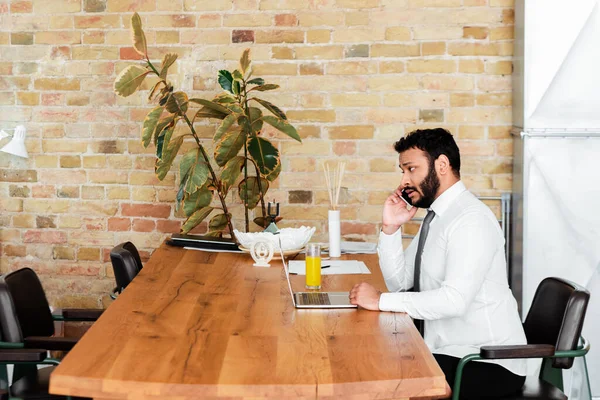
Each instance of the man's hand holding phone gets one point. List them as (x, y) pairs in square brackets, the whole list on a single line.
[(396, 212)]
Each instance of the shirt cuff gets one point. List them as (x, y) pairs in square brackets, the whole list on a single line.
[(390, 241), (392, 302)]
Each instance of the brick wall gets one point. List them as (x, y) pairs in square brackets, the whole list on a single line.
[(355, 75)]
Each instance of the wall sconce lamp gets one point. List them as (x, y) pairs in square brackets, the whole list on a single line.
[(16, 146)]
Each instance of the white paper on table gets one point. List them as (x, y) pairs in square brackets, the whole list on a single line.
[(336, 267)]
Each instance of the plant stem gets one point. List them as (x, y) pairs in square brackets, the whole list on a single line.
[(246, 188)]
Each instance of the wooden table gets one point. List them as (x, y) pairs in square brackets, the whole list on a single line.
[(199, 325)]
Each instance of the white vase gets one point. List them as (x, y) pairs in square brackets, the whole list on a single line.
[(334, 233)]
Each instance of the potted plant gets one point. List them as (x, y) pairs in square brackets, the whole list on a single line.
[(239, 147)]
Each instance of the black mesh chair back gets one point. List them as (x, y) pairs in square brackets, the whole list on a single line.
[(134, 252), (124, 265), (556, 316), (24, 308)]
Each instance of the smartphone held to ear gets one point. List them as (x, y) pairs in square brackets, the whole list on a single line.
[(405, 198)]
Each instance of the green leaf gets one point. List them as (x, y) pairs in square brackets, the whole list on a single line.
[(218, 222), (197, 170), (229, 146), (256, 81), (208, 113), (264, 154), (244, 124), (162, 124), (283, 126), (236, 87), (159, 145), (129, 80), (245, 60), (180, 194), (271, 107), (224, 127), (225, 80), (149, 125), (177, 103), (237, 75), (264, 88), (195, 219), (231, 172), (256, 121), (273, 175), (167, 61), (224, 99), (235, 108), (211, 105), (197, 200), (252, 190), (139, 38), (170, 149), (154, 89)]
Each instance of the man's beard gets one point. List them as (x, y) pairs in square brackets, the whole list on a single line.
[(428, 188)]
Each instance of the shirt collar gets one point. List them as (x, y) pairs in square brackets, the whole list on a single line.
[(441, 204)]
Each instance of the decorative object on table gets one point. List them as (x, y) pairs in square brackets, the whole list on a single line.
[(334, 184), (262, 252), (240, 129), (272, 214), (16, 146), (292, 239)]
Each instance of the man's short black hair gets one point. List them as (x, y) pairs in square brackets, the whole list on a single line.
[(434, 142)]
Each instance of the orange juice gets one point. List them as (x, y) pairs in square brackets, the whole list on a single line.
[(313, 272)]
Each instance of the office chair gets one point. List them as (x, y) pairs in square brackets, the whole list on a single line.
[(126, 263), (26, 331), (553, 328)]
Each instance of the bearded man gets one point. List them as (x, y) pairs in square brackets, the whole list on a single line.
[(452, 278)]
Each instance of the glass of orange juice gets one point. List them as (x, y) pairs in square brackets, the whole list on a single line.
[(313, 266)]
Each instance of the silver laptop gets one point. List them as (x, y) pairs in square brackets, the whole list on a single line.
[(315, 299)]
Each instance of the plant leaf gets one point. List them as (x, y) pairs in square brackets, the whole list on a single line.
[(264, 88), (229, 146), (224, 127), (245, 60), (197, 200), (129, 80), (237, 75), (180, 194), (149, 125), (264, 154), (208, 113), (231, 172), (273, 175), (211, 105), (236, 87), (224, 98), (154, 89), (252, 190), (195, 219), (256, 121), (225, 80), (162, 124), (283, 126), (235, 108), (197, 170), (271, 107), (163, 164), (139, 38), (167, 61), (218, 222), (177, 103), (256, 81)]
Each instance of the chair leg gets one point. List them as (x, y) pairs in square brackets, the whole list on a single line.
[(551, 375)]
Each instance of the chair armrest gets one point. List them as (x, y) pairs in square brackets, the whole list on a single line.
[(22, 355), (77, 314), (50, 343), (517, 351)]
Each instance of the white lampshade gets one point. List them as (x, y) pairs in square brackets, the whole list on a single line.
[(17, 144)]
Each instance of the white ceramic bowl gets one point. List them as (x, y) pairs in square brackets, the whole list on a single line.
[(291, 238)]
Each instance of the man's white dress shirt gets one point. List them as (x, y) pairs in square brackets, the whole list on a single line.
[(464, 300)]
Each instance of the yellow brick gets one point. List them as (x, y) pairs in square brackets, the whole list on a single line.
[(497, 166), (311, 69), (61, 37), (494, 99), (78, 99), (209, 21), (502, 33), (95, 53), (354, 100), (321, 19), (383, 165), (479, 49), (45, 161), (499, 132), (61, 22), (63, 146), (447, 82), (70, 162), (431, 66), (471, 132), (494, 83), (301, 164), (398, 34), (95, 161), (356, 18), (69, 222), (57, 84), (92, 192), (203, 5), (391, 67), (433, 48), (352, 68), (171, 21), (7, 98), (88, 254), (117, 193), (318, 36), (247, 20), (387, 83), (385, 116), (167, 37), (23, 221), (310, 147), (213, 36), (4, 37), (312, 115), (93, 37), (319, 52), (357, 3), (128, 5), (351, 132), (42, 7), (147, 194), (437, 32), (119, 161), (395, 50), (11, 204), (107, 176), (462, 100), (141, 178), (477, 182), (260, 69), (28, 98), (471, 66), (398, 100), (312, 100), (496, 115), (97, 21), (279, 36), (359, 35), (329, 83), (45, 206), (503, 183), (475, 32), (499, 68)]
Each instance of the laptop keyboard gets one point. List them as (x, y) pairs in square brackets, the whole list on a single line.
[(315, 299)]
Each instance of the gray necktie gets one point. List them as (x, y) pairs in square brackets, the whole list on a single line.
[(417, 283)]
